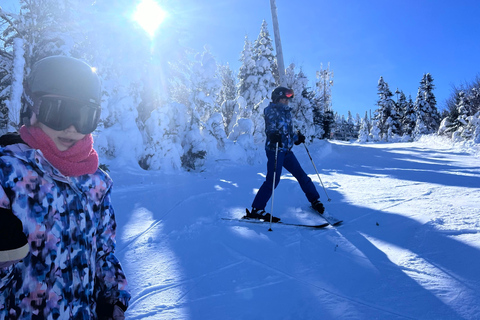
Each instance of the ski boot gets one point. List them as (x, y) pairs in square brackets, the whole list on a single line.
[(260, 214), (318, 206)]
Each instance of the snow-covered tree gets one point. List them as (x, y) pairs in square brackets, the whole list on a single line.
[(428, 118), (205, 86), (216, 137), (471, 131), (227, 95), (263, 80), (463, 108), (40, 29), (356, 124), (246, 79), (322, 103), (363, 132), (228, 89), (5, 89), (419, 106), (256, 81), (302, 111), (458, 119), (165, 130), (385, 116), (374, 134), (119, 115), (265, 64), (350, 127), (409, 116)]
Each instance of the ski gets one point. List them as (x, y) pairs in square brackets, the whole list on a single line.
[(311, 226), (328, 217)]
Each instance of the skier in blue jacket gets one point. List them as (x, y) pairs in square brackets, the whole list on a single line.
[(279, 129)]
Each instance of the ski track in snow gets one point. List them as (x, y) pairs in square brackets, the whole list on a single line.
[(329, 295), (410, 224)]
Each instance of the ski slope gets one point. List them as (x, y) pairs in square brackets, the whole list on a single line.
[(409, 247)]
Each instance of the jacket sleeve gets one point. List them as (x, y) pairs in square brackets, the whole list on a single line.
[(110, 282), (270, 121)]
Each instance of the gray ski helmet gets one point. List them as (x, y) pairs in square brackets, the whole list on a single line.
[(281, 93), (63, 76)]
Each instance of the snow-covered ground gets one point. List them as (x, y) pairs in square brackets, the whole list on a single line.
[(409, 247)]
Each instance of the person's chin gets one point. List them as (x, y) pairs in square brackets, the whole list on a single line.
[(63, 144)]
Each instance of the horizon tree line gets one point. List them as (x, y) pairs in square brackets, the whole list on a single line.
[(181, 108)]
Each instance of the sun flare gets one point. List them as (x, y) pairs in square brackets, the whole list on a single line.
[(149, 15)]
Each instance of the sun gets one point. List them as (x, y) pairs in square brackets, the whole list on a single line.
[(149, 15)]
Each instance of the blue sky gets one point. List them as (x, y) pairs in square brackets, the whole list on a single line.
[(362, 40)]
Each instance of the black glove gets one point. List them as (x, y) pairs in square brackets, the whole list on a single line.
[(274, 138), (301, 139), (13, 242), (118, 313), (106, 311)]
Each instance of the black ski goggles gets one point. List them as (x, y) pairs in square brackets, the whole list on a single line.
[(59, 113)]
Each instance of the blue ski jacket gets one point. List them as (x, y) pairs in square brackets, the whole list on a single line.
[(278, 120)]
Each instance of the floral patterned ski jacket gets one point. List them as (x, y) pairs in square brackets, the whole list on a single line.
[(71, 271)]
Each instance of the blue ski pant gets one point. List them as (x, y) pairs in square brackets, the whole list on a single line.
[(287, 160)]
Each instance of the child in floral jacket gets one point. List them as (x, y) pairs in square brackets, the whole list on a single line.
[(63, 265)]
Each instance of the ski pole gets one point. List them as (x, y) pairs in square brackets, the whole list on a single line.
[(273, 186), (317, 172)]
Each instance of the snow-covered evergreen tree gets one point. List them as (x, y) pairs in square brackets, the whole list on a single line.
[(363, 132), (263, 80), (471, 131), (265, 63), (228, 89), (457, 120), (324, 118), (255, 82), (385, 116), (205, 85), (374, 134), (428, 118), (409, 116), (8, 23), (419, 106), (227, 95), (434, 115), (42, 28), (165, 130), (356, 125), (351, 133), (246, 80), (5, 89), (463, 112), (302, 111), (340, 129)]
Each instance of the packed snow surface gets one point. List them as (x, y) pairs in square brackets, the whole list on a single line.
[(409, 247)]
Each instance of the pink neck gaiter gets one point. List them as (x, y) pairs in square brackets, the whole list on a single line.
[(78, 160)]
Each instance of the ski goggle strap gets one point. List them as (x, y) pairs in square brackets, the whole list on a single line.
[(59, 113)]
